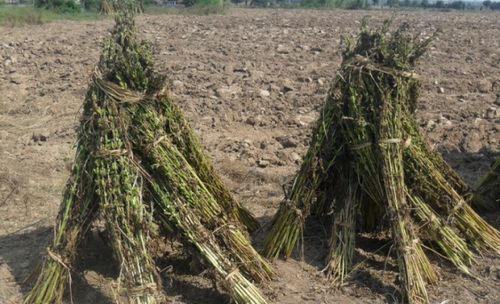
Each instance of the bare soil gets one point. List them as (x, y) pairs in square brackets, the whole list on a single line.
[(251, 83)]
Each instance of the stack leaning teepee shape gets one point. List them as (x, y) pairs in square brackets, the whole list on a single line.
[(368, 167), (140, 168)]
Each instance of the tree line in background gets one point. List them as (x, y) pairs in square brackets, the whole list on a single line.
[(60, 6), (492, 5), (73, 6), (363, 4)]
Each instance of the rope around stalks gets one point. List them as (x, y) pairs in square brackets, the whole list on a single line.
[(406, 143), (120, 94), (364, 63), (114, 91)]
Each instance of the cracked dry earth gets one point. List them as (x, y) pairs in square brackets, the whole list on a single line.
[(251, 83)]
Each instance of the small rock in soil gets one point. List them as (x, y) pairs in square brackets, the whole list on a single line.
[(281, 49), (262, 163), (273, 88), (491, 113), (295, 157), (445, 122), (15, 79), (472, 142), (39, 137), (496, 86), (484, 86), (287, 142), (282, 158), (253, 121), (226, 92), (304, 47), (305, 79), (287, 88), (177, 84), (264, 93)]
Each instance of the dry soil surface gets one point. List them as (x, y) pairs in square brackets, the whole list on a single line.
[(251, 82)]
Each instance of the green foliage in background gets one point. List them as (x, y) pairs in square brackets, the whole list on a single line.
[(14, 16), (60, 6), (91, 5), (27, 15)]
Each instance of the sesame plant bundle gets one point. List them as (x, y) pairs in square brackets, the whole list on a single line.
[(108, 7), (140, 169), (369, 168)]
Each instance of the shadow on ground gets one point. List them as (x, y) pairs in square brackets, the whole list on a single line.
[(23, 252), (373, 258)]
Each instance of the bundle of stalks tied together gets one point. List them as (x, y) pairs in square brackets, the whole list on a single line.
[(140, 169), (369, 168), (109, 7)]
